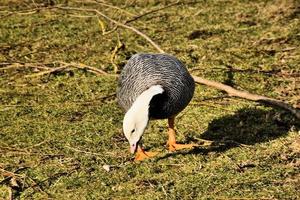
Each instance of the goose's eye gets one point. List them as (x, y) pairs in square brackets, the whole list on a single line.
[(133, 131)]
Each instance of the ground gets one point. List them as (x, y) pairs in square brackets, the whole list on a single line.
[(61, 133)]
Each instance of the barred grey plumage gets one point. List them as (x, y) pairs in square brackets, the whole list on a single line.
[(145, 70)]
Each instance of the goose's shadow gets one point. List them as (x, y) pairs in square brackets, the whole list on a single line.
[(244, 128)]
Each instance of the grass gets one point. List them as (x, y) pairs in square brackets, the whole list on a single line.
[(58, 130)]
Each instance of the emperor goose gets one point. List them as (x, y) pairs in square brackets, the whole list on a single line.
[(153, 86)]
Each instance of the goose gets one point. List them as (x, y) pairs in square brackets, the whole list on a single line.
[(153, 86)]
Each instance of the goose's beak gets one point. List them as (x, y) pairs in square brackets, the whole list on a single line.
[(133, 147)]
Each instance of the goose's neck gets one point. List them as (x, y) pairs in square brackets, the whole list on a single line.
[(141, 104)]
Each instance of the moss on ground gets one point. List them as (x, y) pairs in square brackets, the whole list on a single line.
[(58, 130)]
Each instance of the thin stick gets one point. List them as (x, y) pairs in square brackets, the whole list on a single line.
[(23, 12), (46, 72), (103, 3), (94, 70), (246, 95), (19, 65), (115, 22), (115, 7), (114, 54), (10, 174), (60, 68), (83, 66), (151, 11)]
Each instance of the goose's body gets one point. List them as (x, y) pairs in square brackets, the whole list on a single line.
[(152, 86), (145, 70)]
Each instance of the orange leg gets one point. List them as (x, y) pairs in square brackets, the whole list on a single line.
[(142, 155), (173, 146)]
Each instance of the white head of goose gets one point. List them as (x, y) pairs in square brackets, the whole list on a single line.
[(153, 86)]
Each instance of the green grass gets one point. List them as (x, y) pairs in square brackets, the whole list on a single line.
[(58, 130)]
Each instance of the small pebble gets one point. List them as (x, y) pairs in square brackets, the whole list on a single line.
[(106, 167)]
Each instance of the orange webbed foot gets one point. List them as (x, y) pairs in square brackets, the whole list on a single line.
[(175, 146), (142, 155)]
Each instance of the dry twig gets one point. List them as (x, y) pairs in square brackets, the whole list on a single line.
[(103, 3), (46, 72), (94, 70), (114, 7), (25, 65), (6, 173), (114, 54), (246, 95), (64, 66), (151, 11), (115, 22)]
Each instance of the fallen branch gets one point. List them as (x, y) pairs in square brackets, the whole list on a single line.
[(23, 12), (46, 72), (246, 95), (25, 65), (103, 3), (279, 73), (94, 70), (151, 11), (65, 66), (115, 22), (113, 56), (115, 7), (6, 173)]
